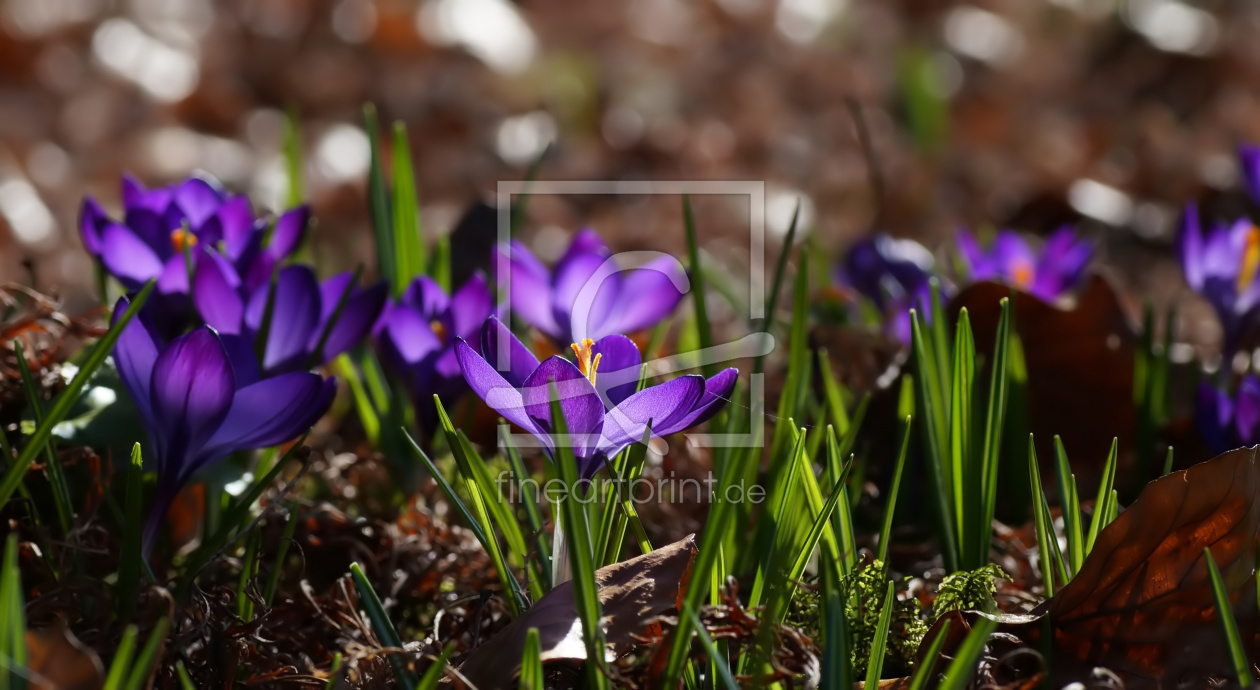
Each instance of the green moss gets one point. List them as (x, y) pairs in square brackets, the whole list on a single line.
[(968, 591)]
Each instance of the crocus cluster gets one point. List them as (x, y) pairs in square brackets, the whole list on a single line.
[(603, 413), (165, 229), (1221, 265), (894, 274), (417, 332), (1228, 422), (1047, 274), (202, 397), (589, 295)]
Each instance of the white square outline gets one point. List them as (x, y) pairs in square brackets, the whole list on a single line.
[(754, 189)]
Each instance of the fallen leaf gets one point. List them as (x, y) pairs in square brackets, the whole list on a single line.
[(631, 593), (58, 661), (1142, 603)]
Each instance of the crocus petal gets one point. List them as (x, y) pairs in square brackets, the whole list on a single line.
[(586, 286), (1190, 247), (717, 391), (529, 288), (970, 251), (580, 404), (1213, 411), (409, 335), (127, 257), (190, 389), (1247, 409), (92, 219), (215, 296), (426, 296), (134, 356), (174, 276), (663, 405), (352, 324), (520, 361), (231, 223), (240, 352), (470, 306), (1249, 158), (270, 412), (290, 227), (491, 387), (619, 364), (197, 200), (294, 318), (648, 294)]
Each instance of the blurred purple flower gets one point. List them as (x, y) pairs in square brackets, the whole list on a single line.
[(602, 417), (1249, 161), (151, 239), (894, 274), (1010, 260), (1227, 423), (1222, 267), (417, 334), (201, 398), (306, 327), (588, 295)]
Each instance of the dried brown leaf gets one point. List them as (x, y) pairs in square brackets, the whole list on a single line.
[(58, 661)]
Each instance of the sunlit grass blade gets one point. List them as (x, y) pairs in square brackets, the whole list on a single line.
[(56, 471), (378, 196), (249, 570), (533, 512), (367, 412), (1168, 462), (581, 558), (940, 334), (834, 392), (782, 524), (1070, 501), (1101, 509), (147, 660), (695, 272), (129, 562), (478, 522), (65, 400), (927, 661), (967, 658), (836, 671), (885, 532), (13, 622), (432, 677), (766, 322), (843, 523), (622, 513), (409, 258), (719, 661), (815, 533), (117, 674), (1044, 530), (934, 430), (875, 664), (994, 422), (440, 263), (962, 476), (185, 681), (531, 662), (382, 626), (293, 159), (1229, 627)]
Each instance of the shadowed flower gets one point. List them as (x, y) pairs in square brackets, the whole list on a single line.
[(1228, 423), (417, 333), (201, 398), (309, 322), (1010, 260), (160, 224), (894, 274), (1222, 267), (1249, 162), (602, 417), (588, 295)]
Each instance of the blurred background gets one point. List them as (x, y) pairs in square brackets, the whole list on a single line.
[(910, 116)]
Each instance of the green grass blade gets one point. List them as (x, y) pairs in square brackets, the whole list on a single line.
[(147, 661), (585, 589), (293, 159), (249, 570), (719, 661), (1070, 501), (962, 477), (836, 672), (1229, 627), (440, 263), (185, 681), (533, 513), (1044, 534), (1168, 462), (378, 196), (923, 670), (1101, 510), (885, 532), (381, 624), (409, 259), (844, 514), (132, 557), (56, 471), (122, 659), (433, 676), (963, 667), (69, 396), (695, 272), (875, 665), (13, 622), (517, 217), (994, 421), (940, 335), (776, 286), (934, 430), (821, 522), (531, 662), (277, 568), (368, 415)]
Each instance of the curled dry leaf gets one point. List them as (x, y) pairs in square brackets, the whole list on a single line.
[(58, 661), (631, 594), (1142, 603), (1080, 358)]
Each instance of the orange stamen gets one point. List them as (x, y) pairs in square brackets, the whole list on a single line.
[(439, 329), (1022, 275), (1250, 259), (587, 363), (182, 239)]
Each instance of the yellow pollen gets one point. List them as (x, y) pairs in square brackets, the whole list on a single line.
[(439, 329), (1250, 259), (587, 364), (1022, 274), (182, 239)]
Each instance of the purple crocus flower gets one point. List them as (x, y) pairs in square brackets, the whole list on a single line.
[(303, 332), (417, 334), (1249, 161), (894, 274), (1222, 267), (587, 295), (201, 398), (159, 224), (1227, 423), (603, 415), (1010, 260)]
